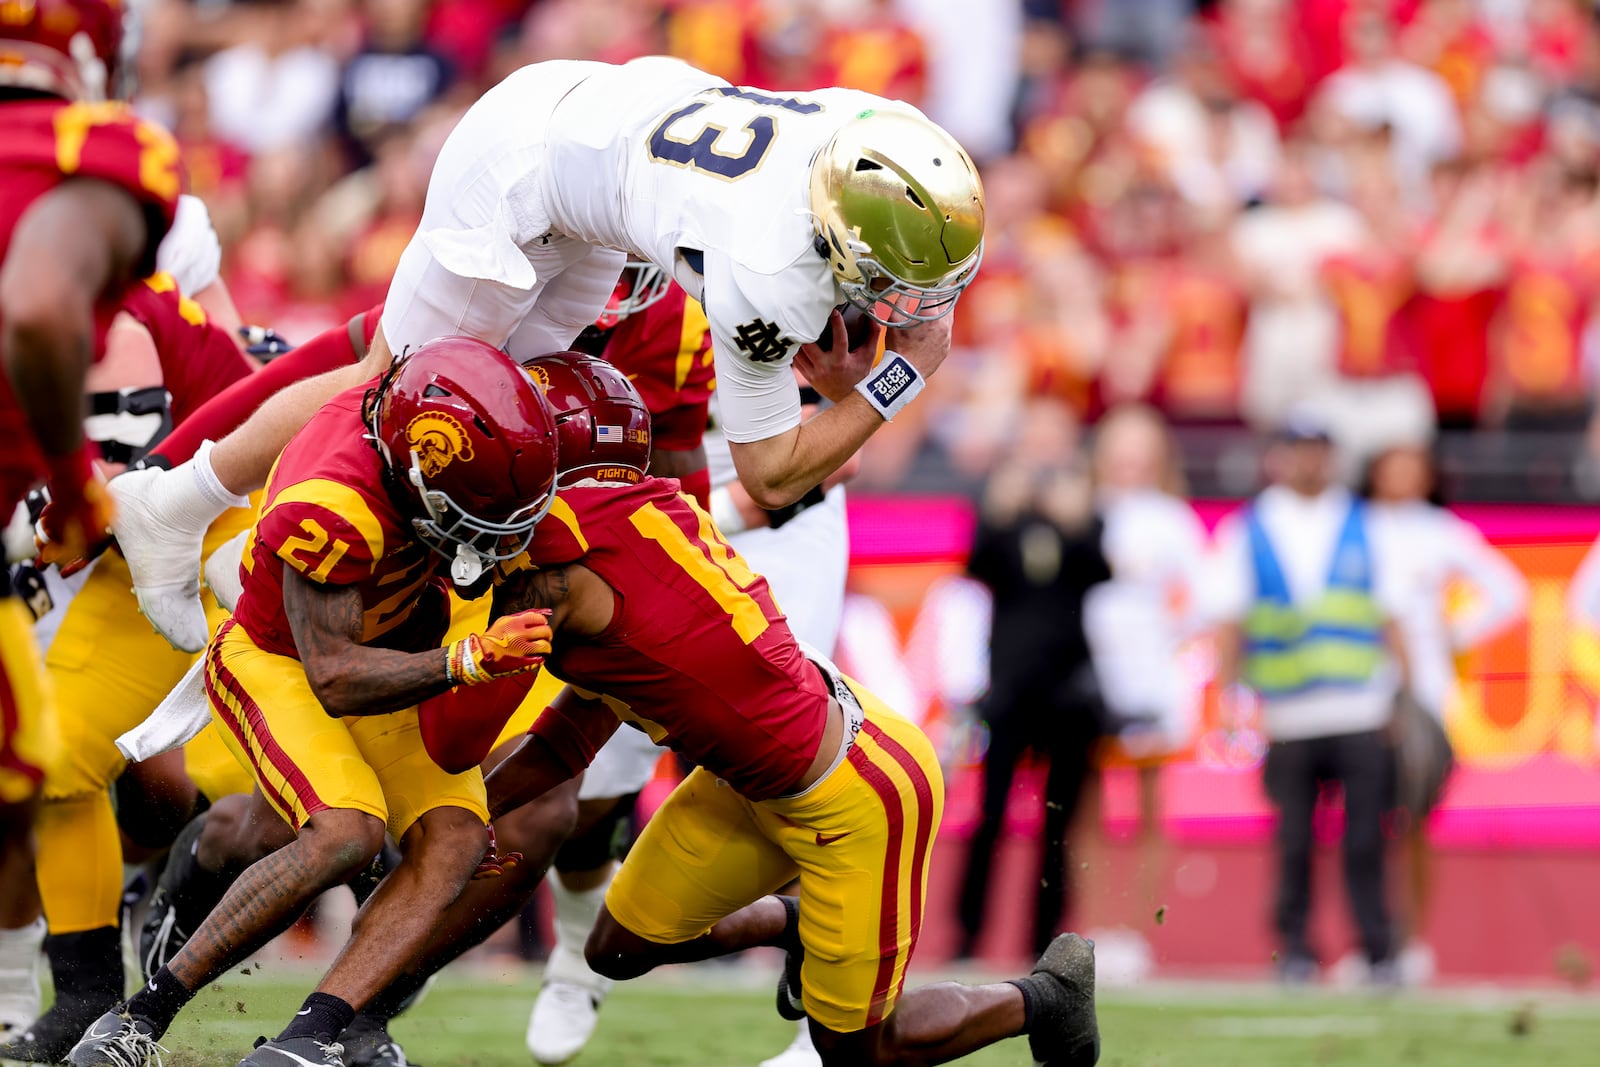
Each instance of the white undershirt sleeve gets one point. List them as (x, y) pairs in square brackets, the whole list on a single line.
[(1502, 590), (190, 251)]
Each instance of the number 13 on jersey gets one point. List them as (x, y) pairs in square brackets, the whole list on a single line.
[(704, 151)]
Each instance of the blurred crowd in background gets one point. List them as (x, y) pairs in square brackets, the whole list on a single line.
[(1384, 210), (1375, 222)]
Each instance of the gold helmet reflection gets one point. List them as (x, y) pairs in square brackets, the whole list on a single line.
[(899, 214)]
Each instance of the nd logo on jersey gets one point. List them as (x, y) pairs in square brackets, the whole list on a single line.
[(438, 440)]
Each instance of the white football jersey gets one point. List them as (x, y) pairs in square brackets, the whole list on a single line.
[(711, 183)]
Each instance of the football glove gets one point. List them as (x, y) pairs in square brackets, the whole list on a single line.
[(263, 342), (511, 645), (75, 525), (494, 862)]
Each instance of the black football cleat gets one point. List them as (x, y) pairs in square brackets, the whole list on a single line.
[(1065, 1031)]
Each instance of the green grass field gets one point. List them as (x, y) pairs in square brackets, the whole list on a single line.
[(724, 1018)]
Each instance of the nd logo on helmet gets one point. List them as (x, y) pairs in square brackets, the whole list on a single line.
[(438, 440)]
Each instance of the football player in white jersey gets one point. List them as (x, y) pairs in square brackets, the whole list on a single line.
[(772, 210)]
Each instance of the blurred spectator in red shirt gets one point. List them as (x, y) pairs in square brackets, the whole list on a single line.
[(1264, 46), (1461, 274), (1450, 39), (718, 36), (870, 47), (1196, 371), (1537, 358)]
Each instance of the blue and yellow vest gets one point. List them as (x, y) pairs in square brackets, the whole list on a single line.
[(1335, 640)]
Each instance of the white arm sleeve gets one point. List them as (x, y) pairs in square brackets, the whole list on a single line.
[(756, 393), (191, 252), (1502, 589)]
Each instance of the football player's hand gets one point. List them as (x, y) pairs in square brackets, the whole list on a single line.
[(511, 645), (925, 344), (834, 371), (494, 862), (75, 525)]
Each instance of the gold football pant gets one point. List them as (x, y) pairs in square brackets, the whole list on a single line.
[(859, 842), (306, 761), (109, 670)]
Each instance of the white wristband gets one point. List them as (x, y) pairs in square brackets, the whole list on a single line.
[(891, 385), (725, 513)]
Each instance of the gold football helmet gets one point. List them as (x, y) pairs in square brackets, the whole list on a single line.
[(898, 207)]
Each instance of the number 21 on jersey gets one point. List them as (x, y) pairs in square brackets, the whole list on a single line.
[(670, 141)]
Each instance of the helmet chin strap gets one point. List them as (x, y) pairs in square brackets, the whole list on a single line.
[(467, 567)]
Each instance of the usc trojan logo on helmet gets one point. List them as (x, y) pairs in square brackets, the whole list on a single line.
[(438, 440), (540, 376)]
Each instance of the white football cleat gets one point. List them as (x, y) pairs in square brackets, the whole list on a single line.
[(563, 1020), (222, 571), (20, 953), (800, 1053), (160, 524)]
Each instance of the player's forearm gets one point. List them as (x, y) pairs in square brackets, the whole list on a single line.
[(47, 354), (67, 249), (361, 680), (780, 470), (347, 676), (527, 774)]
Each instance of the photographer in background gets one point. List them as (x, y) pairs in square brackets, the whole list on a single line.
[(1037, 549), (1306, 614)]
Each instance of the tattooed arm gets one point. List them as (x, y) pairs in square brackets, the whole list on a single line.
[(350, 678)]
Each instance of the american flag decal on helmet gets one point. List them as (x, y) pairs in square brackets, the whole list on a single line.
[(608, 435)]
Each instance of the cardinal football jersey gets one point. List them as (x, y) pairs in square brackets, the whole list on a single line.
[(327, 515), (697, 654), (43, 143), (198, 359)]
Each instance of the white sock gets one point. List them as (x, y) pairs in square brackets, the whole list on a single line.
[(576, 912), (209, 486), (20, 937), (19, 969), (803, 1038)]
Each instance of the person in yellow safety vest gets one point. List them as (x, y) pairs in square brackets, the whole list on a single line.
[(1304, 608)]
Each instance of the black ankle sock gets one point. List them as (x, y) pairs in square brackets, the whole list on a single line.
[(1025, 987), (392, 999), (160, 1001), (789, 940), (322, 1017), (87, 968)]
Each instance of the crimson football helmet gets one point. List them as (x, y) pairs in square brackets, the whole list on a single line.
[(472, 444), (601, 421), (641, 285), (67, 48)]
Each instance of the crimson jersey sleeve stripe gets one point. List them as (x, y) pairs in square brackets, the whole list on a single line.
[(889, 910), (924, 791), (270, 750)]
